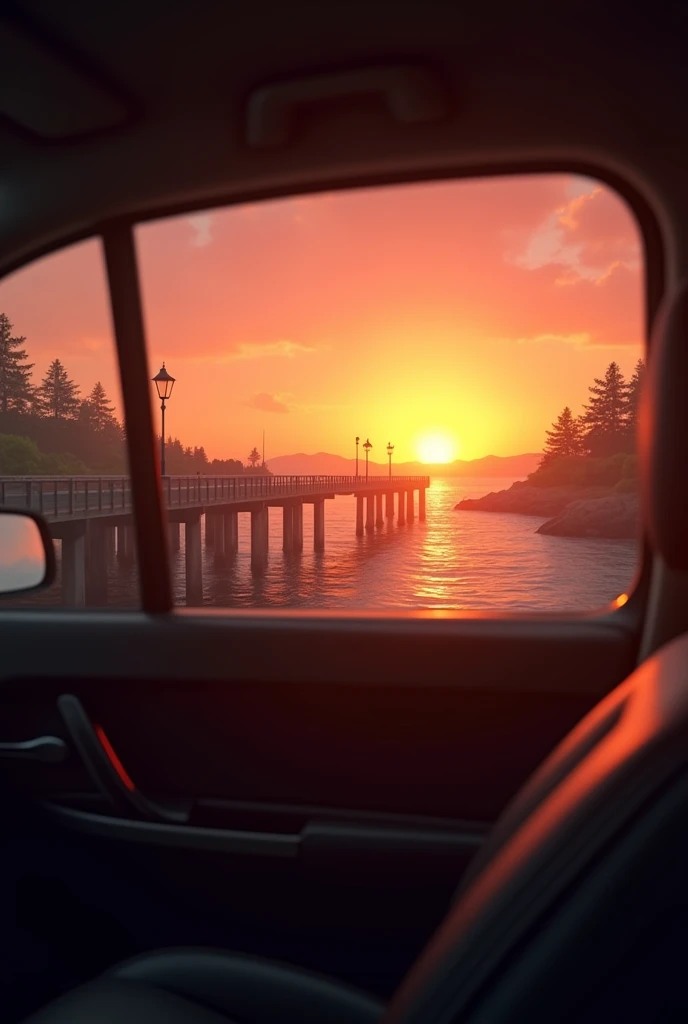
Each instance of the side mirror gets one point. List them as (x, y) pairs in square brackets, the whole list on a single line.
[(27, 555)]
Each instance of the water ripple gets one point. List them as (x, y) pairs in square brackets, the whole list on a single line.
[(455, 560)]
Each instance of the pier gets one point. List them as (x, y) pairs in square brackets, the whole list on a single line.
[(93, 518)]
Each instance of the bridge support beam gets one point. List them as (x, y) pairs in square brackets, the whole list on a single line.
[(401, 515), (194, 562), (379, 518), (96, 565), (231, 525), (109, 541), (359, 515), (259, 537), (297, 526), (175, 536), (209, 530), (219, 537), (287, 528), (74, 569), (125, 542), (421, 504), (409, 507), (319, 524), (370, 512), (389, 502)]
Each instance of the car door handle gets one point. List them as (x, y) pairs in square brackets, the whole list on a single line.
[(49, 749), (106, 770)]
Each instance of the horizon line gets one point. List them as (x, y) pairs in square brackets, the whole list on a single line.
[(404, 462)]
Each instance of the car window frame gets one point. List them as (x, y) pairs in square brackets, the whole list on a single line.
[(117, 237)]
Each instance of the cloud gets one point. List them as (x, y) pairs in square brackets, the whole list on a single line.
[(246, 351), (268, 403), (578, 185), (578, 340), (268, 350), (587, 237), (202, 224)]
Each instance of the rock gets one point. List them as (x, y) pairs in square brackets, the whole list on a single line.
[(524, 499), (613, 517)]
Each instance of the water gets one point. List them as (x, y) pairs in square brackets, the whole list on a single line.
[(454, 560)]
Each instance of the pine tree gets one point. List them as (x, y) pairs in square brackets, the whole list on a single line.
[(57, 396), (254, 458), (15, 373), (564, 439), (200, 458), (606, 413), (97, 411), (174, 456), (635, 386)]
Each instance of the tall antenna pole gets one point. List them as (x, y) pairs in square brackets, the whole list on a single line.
[(263, 449)]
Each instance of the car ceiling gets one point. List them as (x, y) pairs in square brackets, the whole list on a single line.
[(168, 82)]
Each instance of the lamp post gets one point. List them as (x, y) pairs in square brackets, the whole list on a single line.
[(357, 440), (163, 385), (366, 448), (390, 449)]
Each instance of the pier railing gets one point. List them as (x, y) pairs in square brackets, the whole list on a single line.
[(88, 495)]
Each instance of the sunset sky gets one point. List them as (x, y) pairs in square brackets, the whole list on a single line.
[(470, 313)]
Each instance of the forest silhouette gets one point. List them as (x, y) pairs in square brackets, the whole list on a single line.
[(598, 446), (51, 428)]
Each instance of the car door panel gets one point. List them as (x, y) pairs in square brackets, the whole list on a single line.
[(335, 792), (456, 744)]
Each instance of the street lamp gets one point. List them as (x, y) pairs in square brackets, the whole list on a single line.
[(163, 385), (366, 448), (357, 440), (390, 449)]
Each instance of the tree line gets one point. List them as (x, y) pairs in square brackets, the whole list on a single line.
[(181, 461), (56, 397), (607, 425), (51, 428)]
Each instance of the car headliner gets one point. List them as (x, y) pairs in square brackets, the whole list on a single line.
[(589, 87)]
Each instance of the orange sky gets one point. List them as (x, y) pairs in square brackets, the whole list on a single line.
[(474, 311)]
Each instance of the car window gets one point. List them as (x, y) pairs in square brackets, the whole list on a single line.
[(62, 442), (406, 397), (418, 396)]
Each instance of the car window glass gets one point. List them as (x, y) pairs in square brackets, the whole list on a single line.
[(62, 444), (333, 351), (418, 396)]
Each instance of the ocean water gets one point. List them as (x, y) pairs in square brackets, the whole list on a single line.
[(453, 560)]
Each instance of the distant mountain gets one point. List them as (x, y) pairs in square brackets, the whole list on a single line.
[(322, 463)]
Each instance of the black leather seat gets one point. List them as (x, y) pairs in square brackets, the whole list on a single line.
[(205, 987), (577, 907)]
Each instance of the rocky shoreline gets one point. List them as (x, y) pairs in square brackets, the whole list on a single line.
[(570, 511)]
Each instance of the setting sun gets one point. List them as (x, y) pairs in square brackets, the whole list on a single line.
[(436, 448)]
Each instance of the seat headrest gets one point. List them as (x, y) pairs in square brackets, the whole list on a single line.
[(663, 433)]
